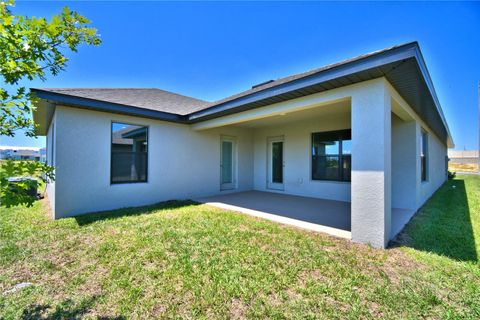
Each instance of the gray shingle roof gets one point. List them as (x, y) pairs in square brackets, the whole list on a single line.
[(149, 98), (280, 81), (165, 101), (403, 66)]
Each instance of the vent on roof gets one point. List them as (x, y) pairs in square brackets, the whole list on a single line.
[(261, 84)]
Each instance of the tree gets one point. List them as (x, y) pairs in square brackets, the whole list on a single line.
[(31, 48)]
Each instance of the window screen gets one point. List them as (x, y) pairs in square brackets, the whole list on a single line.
[(424, 155), (331, 155), (129, 158)]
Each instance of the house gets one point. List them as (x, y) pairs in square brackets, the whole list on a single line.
[(354, 148), (20, 153)]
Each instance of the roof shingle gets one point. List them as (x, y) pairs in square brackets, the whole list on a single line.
[(146, 98), (165, 101)]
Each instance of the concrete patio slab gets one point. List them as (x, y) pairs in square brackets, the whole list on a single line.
[(332, 217), (320, 215)]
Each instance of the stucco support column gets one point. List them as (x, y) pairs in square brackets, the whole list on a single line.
[(371, 165)]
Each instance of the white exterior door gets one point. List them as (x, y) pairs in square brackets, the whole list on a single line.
[(275, 163), (228, 163)]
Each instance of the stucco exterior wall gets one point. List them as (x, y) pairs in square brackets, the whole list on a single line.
[(181, 163), (437, 152), (50, 157), (297, 158), (404, 164), (436, 166)]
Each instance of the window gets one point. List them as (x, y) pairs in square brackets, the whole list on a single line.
[(129, 156), (277, 161), (332, 155), (446, 166), (424, 155)]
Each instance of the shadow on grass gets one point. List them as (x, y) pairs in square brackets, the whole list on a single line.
[(133, 211), (67, 309), (443, 225)]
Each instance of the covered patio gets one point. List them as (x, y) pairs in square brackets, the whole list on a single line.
[(341, 162), (314, 214)]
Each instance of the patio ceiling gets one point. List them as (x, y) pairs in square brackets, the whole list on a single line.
[(339, 109)]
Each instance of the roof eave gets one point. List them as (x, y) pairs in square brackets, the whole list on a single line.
[(42, 115), (426, 75), (403, 52), (98, 105), (376, 60), (407, 51)]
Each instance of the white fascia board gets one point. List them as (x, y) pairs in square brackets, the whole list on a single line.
[(303, 103)]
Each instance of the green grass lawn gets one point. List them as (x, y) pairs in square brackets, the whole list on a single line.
[(181, 260)]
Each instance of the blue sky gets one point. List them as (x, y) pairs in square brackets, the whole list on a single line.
[(212, 50)]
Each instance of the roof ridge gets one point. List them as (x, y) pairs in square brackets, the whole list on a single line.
[(309, 72), (269, 84)]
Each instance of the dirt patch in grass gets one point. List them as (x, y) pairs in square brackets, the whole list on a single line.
[(311, 275), (398, 265), (463, 167), (47, 209), (158, 310), (238, 309)]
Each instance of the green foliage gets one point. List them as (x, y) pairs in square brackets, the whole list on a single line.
[(30, 48), (451, 175), (12, 194)]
